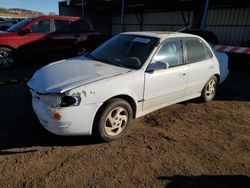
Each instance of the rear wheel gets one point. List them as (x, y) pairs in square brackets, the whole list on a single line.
[(210, 89), (114, 120), (6, 58)]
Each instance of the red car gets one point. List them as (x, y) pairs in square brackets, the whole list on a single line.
[(45, 36)]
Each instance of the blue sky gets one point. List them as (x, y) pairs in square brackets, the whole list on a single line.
[(44, 6)]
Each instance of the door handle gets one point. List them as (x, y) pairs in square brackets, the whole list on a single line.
[(183, 74)]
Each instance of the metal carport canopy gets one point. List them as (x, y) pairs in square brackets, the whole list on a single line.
[(135, 6)]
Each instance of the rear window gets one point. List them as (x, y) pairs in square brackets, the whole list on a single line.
[(82, 26), (196, 51), (62, 25), (68, 26)]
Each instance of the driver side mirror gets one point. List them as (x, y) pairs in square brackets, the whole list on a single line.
[(157, 65), (24, 32)]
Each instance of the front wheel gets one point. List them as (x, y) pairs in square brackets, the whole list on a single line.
[(6, 58), (210, 89), (114, 120)]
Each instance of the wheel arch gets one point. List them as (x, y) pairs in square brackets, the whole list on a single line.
[(218, 78), (127, 98), (7, 46), (216, 75)]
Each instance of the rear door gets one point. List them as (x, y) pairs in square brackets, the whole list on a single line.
[(200, 65), (63, 39)]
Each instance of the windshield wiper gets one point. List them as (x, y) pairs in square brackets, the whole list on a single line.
[(104, 60), (96, 58), (119, 65)]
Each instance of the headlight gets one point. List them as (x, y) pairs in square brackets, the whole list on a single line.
[(57, 100), (53, 100)]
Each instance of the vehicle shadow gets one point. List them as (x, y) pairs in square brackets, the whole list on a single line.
[(19, 127), (235, 87), (25, 69), (227, 181), (16, 152)]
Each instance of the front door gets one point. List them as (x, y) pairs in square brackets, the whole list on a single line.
[(37, 42), (167, 83)]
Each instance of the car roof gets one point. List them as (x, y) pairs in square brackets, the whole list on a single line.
[(160, 34)]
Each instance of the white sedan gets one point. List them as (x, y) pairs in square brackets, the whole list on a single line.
[(130, 75)]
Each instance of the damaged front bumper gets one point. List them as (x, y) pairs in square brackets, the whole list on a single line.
[(73, 120)]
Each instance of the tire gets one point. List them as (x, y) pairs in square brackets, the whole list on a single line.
[(6, 58), (114, 120), (209, 90)]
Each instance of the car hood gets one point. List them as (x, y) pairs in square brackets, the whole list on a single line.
[(6, 34), (65, 75)]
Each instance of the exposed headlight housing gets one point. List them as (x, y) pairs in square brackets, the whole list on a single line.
[(69, 101), (58, 100)]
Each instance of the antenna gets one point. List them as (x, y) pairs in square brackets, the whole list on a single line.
[(183, 29)]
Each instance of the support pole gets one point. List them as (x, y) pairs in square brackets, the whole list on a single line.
[(204, 18), (141, 22), (123, 16), (83, 13), (198, 11)]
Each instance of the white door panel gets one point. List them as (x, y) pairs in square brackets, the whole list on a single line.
[(201, 65), (164, 86), (198, 75)]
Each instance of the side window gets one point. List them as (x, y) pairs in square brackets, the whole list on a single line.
[(42, 26), (208, 53), (196, 51), (170, 54), (81, 26), (62, 26)]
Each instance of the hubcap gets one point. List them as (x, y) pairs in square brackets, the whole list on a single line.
[(211, 87), (116, 121), (6, 59)]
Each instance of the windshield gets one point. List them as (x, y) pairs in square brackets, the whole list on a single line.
[(130, 51), (19, 25)]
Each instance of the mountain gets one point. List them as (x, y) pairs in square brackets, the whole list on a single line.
[(17, 12)]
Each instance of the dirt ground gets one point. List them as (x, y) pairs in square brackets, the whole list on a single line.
[(190, 144)]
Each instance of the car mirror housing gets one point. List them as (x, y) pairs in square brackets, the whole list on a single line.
[(24, 32), (157, 65)]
